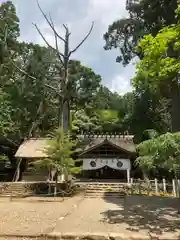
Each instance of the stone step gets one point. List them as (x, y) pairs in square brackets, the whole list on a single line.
[(95, 188), (15, 189), (104, 186), (16, 192), (108, 186), (98, 188), (103, 196), (102, 192), (105, 189), (105, 193), (16, 195), (121, 186)]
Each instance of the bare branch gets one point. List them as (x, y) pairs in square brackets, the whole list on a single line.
[(51, 87), (40, 33), (56, 43), (46, 40), (35, 122), (22, 71), (5, 34), (66, 28), (50, 24), (84, 39), (25, 73)]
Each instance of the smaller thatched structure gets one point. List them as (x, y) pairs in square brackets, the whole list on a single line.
[(32, 148)]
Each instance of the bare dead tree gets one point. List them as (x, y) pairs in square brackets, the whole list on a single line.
[(62, 67), (62, 91)]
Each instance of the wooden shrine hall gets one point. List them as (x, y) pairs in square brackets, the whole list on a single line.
[(108, 156)]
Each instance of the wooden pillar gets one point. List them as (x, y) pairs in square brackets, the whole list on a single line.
[(101, 171), (128, 175)]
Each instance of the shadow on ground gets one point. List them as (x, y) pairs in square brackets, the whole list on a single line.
[(155, 214)]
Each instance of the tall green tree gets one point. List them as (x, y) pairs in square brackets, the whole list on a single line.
[(9, 32), (145, 17), (84, 85), (160, 152), (160, 66), (142, 110), (59, 152)]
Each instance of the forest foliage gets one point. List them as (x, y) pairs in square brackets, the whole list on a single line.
[(28, 106), (151, 34)]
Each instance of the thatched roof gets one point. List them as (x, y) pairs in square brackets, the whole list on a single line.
[(35, 147), (32, 148), (123, 142)]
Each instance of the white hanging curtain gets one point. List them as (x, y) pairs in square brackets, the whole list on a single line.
[(93, 164), (118, 164)]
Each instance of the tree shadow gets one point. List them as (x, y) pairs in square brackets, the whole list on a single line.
[(155, 214)]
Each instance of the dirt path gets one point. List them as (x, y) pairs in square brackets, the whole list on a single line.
[(33, 217), (132, 216), (144, 215)]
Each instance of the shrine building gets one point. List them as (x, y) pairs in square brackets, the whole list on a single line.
[(108, 156)]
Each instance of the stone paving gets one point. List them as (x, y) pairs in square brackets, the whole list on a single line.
[(109, 218)]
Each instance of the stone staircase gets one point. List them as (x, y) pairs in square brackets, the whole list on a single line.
[(104, 190), (15, 189)]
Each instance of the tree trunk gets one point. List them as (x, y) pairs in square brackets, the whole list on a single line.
[(65, 118), (175, 106), (17, 172), (55, 187), (49, 187), (145, 175)]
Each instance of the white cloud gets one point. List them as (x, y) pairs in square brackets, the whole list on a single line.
[(107, 11), (120, 85)]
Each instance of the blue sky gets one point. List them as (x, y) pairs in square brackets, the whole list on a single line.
[(79, 14)]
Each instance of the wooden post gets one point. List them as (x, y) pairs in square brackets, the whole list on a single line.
[(164, 185), (178, 187), (174, 188), (128, 176), (148, 187), (139, 186), (62, 177), (131, 182), (156, 186), (17, 172)]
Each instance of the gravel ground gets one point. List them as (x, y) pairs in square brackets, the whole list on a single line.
[(89, 217), (131, 215), (22, 217), (136, 214)]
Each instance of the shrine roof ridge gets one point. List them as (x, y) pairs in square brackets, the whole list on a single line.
[(105, 135)]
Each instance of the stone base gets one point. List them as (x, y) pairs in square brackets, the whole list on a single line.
[(93, 236)]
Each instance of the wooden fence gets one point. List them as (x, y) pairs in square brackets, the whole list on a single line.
[(154, 187)]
